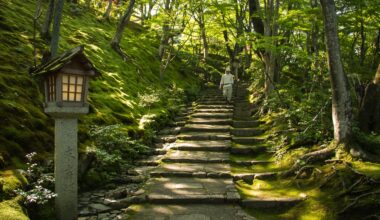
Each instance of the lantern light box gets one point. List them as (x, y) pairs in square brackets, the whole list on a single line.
[(66, 79)]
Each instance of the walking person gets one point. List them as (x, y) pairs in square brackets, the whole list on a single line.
[(226, 83)]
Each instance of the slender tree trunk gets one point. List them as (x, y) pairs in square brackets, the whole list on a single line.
[(115, 43), (164, 41), (45, 29), (314, 31), (362, 43), (142, 13), (270, 56), (56, 27), (376, 52), (341, 101), (107, 13), (203, 35)]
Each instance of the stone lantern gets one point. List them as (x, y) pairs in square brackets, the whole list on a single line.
[(66, 79)]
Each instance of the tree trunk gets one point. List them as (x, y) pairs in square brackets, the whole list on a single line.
[(270, 56), (362, 43), (164, 42), (45, 29), (369, 114), (115, 43), (203, 35), (376, 52), (314, 31), (107, 13), (56, 27), (341, 101)]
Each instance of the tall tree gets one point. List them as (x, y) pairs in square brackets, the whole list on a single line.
[(56, 27), (115, 43), (45, 29), (341, 101)]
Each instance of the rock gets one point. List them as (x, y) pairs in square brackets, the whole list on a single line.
[(118, 193), (191, 217), (103, 216), (139, 192), (200, 174), (85, 212), (132, 172), (99, 207), (123, 203)]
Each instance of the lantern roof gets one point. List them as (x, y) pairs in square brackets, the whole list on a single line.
[(74, 55)]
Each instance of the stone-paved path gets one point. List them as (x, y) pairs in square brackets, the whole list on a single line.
[(189, 175), (193, 180)]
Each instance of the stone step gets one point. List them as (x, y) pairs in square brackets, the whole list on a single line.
[(206, 128), (270, 202), (165, 139), (180, 156), (245, 123), (213, 98), (247, 150), (189, 169), (214, 175), (203, 106), (184, 190), (210, 121), (170, 131), (203, 145), (213, 110), (211, 115), (187, 212), (196, 136), (213, 102), (246, 132), (247, 140)]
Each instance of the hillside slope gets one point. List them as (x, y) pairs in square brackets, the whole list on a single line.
[(127, 93)]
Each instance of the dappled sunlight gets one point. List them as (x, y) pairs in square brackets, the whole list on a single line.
[(146, 119)]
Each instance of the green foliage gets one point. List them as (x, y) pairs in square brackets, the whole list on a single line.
[(113, 148)]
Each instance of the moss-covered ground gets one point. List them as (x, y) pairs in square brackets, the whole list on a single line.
[(127, 93), (344, 188)]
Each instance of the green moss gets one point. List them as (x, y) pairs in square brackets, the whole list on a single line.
[(12, 210), (367, 168), (11, 180)]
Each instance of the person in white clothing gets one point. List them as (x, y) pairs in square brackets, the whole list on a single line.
[(226, 83)]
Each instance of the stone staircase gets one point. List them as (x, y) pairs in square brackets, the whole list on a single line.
[(249, 140), (193, 180), (190, 172)]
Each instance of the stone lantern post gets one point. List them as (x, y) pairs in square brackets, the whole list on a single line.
[(66, 79)]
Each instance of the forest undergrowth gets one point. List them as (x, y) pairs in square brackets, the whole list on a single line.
[(297, 120)]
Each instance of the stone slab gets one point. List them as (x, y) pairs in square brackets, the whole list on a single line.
[(190, 168), (204, 136), (211, 115), (210, 121), (182, 189), (223, 145), (206, 128), (187, 212), (178, 156)]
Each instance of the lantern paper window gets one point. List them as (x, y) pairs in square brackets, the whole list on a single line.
[(51, 88), (72, 88)]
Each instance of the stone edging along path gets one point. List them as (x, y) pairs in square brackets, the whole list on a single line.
[(190, 177)]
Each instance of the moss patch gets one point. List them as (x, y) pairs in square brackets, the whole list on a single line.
[(11, 210), (11, 180)]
